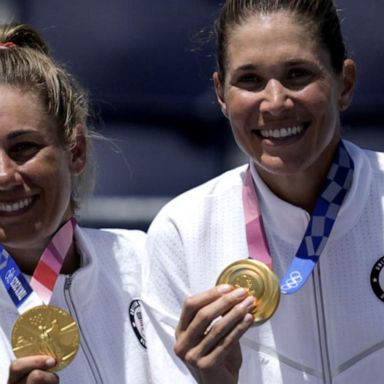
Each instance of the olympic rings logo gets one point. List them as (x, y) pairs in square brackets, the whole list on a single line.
[(295, 278)]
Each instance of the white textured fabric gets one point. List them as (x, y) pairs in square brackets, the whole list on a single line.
[(331, 331), (99, 298)]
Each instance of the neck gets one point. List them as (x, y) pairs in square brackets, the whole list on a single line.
[(27, 260), (302, 188), (72, 261), (299, 190)]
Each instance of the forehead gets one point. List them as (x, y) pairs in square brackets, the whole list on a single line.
[(21, 109), (11, 96), (274, 37)]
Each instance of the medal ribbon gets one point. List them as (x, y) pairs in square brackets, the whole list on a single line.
[(39, 291), (337, 183)]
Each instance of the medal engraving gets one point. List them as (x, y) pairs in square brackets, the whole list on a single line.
[(259, 281), (46, 330)]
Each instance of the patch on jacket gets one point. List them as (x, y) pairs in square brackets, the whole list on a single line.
[(377, 279), (136, 318)]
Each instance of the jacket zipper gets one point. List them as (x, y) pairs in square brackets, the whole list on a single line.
[(83, 343), (327, 373)]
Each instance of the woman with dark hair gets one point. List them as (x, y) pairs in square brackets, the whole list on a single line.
[(290, 240)]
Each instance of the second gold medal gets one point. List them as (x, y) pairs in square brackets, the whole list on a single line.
[(259, 280)]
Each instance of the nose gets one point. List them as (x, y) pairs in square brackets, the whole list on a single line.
[(7, 171), (275, 98)]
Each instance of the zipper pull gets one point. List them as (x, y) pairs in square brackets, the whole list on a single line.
[(68, 282)]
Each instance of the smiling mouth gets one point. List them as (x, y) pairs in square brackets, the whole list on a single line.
[(16, 206), (281, 133)]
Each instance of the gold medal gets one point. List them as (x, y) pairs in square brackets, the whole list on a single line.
[(259, 280), (46, 330)]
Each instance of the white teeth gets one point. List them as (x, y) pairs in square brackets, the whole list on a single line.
[(281, 132), (13, 207)]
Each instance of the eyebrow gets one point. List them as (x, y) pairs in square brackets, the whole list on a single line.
[(300, 62), (20, 132), (288, 63), (246, 67)]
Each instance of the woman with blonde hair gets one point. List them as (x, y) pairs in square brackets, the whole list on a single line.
[(67, 294)]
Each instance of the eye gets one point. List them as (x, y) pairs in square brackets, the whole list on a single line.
[(24, 150), (298, 73), (298, 77), (249, 81)]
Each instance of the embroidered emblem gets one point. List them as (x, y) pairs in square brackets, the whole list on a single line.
[(377, 279), (136, 318)]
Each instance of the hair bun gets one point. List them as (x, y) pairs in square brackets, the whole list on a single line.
[(23, 35)]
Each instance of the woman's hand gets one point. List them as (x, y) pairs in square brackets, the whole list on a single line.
[(32, 370), (208, 333)]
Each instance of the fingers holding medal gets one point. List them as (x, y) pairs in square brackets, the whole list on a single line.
[(210, 326), (259, 280), (33, 369)]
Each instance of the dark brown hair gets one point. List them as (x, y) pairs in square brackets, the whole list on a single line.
[(320, 16)]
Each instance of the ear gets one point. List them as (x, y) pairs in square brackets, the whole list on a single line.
[(220, 93), (78, 150), (348, 84)]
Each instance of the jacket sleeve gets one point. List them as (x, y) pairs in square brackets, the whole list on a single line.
[(165, 289), (6, 356)]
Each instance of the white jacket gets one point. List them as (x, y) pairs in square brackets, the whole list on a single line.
[(331, 331), (98, 296)]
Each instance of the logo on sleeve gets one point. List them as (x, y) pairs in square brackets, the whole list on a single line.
[(377, 279), (136, 318)]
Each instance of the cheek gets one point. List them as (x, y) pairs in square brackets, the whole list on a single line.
[(49, 171), (242, 110), (320, 100), (322, 106)]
